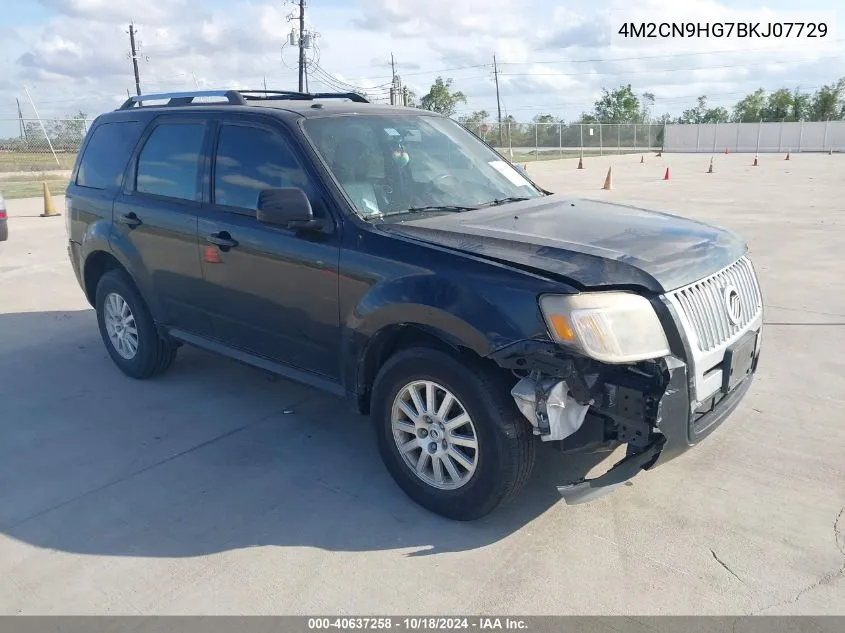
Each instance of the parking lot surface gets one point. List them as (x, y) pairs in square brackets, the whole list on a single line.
[(220, 489)]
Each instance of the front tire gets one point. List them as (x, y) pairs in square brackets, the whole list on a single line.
[(449, 434), (128, 330)]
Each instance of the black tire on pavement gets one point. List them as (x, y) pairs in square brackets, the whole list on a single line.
[(506, 446), (154, 354)]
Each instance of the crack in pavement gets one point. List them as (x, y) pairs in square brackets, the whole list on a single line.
[(826, 579), (728, 569)]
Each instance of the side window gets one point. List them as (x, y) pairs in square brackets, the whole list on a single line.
[(169, 162), (106, 154), (249, 159)]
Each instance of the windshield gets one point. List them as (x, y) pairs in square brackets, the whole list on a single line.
[(397, 164)]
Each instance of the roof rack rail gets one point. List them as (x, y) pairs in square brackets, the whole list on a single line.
[(238, 97), (184, 98), (254, 95)]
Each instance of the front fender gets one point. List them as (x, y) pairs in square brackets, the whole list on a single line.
[(468, 318), (461, 316)]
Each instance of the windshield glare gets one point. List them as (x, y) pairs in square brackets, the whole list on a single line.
[(395, 163)]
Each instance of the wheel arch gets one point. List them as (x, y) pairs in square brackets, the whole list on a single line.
[(395, 337), (97, 264), (101, 259)]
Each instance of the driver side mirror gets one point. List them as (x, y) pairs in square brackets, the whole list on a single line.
[(288, 207)]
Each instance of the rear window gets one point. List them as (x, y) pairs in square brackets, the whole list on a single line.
[(168, 165), (106, 154)]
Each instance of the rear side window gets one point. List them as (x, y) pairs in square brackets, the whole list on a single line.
[(168, 164), (251, 159), (106, 154)]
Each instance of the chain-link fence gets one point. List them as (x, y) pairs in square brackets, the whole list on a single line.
[(537, 141), (30, 145)]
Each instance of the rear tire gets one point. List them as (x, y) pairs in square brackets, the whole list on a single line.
[(127, 328), (494, 471)]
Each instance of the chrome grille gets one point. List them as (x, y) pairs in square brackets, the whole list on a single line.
[(704, 303)]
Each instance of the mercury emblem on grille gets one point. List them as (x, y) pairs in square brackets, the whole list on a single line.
[(733, 305)]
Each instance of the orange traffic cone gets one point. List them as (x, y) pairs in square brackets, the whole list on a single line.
[(726, 150), (608, 181), (666, 175), (755, 163), (787, 156), (710, 169)]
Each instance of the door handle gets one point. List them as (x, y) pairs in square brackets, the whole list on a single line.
[(222, 239), (129, 219)]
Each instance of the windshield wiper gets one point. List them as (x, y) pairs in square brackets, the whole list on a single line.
[(498, 201), (436, 207), (441, 207)]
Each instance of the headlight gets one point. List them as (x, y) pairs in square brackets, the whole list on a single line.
[(613, 327)]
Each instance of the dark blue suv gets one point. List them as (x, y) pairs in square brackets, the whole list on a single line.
[(389, 256)]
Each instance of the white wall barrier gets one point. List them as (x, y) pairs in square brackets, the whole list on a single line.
[(796, 136)]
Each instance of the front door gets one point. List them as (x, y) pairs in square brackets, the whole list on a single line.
[(270, 291)]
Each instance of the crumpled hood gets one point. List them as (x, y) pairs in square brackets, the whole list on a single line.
[(591, 243)]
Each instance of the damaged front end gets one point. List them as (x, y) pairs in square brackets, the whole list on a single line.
[(588, 406)]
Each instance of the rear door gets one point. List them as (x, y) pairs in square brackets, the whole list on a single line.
[(156, 216), (274, 291)]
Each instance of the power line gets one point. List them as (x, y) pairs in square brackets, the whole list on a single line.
[(336, 82), (574, 61), (626, 59), (668, 70), (430, 72), (339, 85)]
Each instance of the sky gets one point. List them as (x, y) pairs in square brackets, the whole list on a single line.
[(554, 57)]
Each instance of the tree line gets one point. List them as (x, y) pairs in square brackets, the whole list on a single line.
[(624, 105), (619, 105)]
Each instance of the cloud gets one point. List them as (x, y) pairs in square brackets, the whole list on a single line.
[(115, 10), (552, 58), (433, 19), (75, 53)]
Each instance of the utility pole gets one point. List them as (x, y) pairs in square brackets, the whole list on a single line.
[(265, 83), (20, 118), (393, 87), (301, 45), (498, 100), (134, 58)]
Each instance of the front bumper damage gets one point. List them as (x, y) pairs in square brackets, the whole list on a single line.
[(588, 406)]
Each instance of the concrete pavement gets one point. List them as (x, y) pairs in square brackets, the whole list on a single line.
[(220, 489)]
